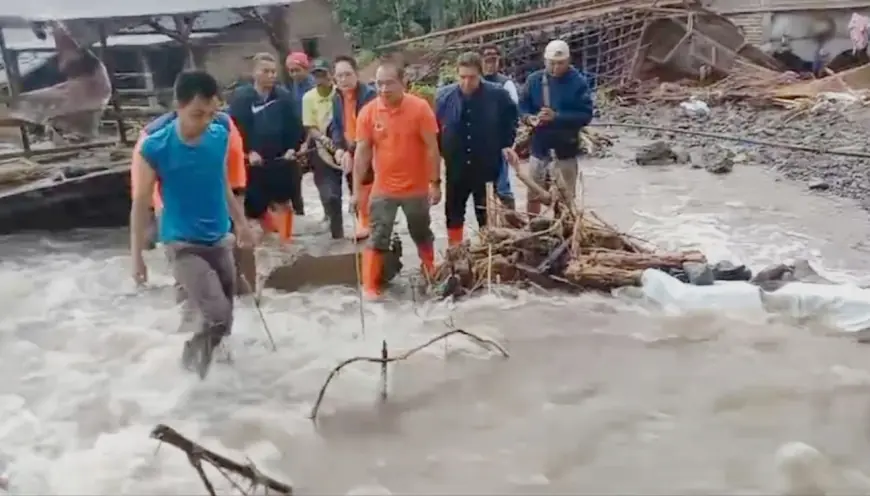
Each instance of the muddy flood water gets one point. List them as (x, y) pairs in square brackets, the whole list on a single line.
[(599, 396)]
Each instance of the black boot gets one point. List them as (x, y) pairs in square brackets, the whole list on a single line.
[(336, 218), (199, 350)]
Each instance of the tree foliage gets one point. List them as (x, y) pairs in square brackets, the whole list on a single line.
[(370, 23)]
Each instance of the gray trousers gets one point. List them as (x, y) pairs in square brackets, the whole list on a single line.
[(565, 170), (382, 214), (206, 275)]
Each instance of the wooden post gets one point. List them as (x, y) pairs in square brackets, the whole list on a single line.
[(384, 357), (183, 27), (13, 81), (148, 75), (116, 104)]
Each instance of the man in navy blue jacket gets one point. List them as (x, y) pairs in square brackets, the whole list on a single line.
[(477, 121), (350, 98), (558, 102), (269, 123)]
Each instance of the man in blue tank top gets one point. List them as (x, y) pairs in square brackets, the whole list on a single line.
[(188, 157)]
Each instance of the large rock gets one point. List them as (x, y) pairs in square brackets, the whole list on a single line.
[(656, 153), (775, 276), (727, 271), (699, 274)]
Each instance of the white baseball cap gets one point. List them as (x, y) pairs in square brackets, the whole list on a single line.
[(557, 50)]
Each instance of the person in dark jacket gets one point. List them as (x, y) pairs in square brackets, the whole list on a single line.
[(558, 103), (298, 68), (346, 104), (268, 121), (301, 81), (477, 124), (491, 61)]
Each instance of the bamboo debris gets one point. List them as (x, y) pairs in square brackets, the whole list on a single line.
[(574, 250), (754, 85)]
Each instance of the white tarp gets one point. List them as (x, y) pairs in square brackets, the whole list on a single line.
[(841, 306)]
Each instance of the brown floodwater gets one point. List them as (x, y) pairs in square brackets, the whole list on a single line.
[(600, 395)]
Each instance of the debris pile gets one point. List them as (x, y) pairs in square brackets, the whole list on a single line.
[(573, 250), (612, 42)]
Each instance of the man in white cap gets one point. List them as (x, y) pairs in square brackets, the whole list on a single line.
[(557, 101)]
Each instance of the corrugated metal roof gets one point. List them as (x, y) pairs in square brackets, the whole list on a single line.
[(24, 39), (217, 19), (101, 9)]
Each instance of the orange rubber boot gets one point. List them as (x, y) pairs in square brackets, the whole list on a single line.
[(454, 236), (363, 220), (372, 272), (267, 222), (426, 252), (285, 225)]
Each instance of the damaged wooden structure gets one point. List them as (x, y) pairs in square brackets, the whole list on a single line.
[(69, 186), (614, 42), (144, 46)]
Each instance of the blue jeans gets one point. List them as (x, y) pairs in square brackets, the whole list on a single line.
[(503, 182)]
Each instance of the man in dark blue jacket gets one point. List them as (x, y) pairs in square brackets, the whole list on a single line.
[(270, 126), (346, 104), (477, 121), (558, 103)]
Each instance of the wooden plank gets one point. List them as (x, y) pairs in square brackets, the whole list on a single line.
[(58, 149), (116, 104)]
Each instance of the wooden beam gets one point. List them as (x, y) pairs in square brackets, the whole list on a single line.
[(13, 78), (104, 51), (149, 77), (60, 149)]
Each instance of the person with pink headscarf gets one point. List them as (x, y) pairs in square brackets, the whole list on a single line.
[(299, 68)]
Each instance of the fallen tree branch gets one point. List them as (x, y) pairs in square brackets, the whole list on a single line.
[(384, 360), (734, 137), (196, 454)]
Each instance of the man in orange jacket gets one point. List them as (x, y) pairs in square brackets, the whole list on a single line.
[(397, 132)]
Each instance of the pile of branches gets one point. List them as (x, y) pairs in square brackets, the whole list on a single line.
[(759, 87), (572, 250)]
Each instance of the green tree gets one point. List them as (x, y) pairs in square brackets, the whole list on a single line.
[(370, 23)]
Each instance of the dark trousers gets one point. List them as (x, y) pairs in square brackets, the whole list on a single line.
[(273, 182), (384, 210), (457, 191), (328, 180), (296, 193)]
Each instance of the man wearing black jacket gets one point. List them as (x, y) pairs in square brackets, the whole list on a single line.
[(477, 121), (269, 123)]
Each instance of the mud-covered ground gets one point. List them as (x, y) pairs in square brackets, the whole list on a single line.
[(829, 126)]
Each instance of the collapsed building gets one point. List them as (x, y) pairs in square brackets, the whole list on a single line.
[(612, 41)]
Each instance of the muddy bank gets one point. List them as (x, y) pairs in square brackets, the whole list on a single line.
[(828, 126)]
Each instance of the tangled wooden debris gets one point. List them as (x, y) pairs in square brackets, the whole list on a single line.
[(753, 85), (196, 454), (385, 359), (574, 250)]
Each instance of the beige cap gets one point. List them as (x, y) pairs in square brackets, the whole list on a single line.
[(557, 50)]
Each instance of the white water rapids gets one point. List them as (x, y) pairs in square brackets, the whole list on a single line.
[(600, 396)]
